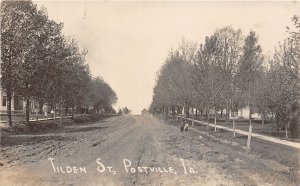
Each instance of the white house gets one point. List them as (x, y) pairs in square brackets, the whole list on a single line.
[(16, 103), (242, 113), (3, 102)]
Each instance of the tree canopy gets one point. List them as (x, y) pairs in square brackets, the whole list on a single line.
[(229, 71), (40, 63)]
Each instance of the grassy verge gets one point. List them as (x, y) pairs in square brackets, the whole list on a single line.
[(284, 156), (47, 126)]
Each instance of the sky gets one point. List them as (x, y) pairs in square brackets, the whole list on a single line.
[(128, 41)]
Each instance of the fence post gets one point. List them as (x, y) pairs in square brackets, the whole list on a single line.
[(233, 123), (249, 138)]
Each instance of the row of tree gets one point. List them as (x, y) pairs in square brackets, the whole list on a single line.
[(124, 110), (229, 72), (39, 63)]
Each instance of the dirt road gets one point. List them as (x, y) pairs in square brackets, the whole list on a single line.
[(129, 150)]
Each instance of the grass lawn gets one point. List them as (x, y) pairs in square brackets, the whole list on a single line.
[(243, 124)]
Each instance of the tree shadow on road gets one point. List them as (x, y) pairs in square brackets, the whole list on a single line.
[(29, 139), (14, 140)]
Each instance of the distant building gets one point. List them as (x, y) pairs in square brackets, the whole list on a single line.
[(144, 112), (241, 113), (244, 113), (16, 103)]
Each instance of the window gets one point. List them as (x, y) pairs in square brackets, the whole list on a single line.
[(4, 101)]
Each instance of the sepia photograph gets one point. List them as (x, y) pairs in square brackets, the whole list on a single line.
[(149, 92)]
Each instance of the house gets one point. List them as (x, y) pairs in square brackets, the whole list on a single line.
[(16, 103), (241, 113), (244, 113), (144, 112)]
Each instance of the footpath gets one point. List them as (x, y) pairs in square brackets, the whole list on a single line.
[(263, 137)]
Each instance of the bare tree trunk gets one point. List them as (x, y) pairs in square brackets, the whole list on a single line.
[(215, 120), (37, 115), (250, 130), (250, 116), (233, 117), (277, 124), (286, 131), (72, 112), (201, 113), (61, 115), (8, 90), (249, 139), (207, 118), (67, 111), (174, 111), (233, 125), (186, 112), (177, 111), (27, 110), (227, 113), (167, 111), (40, 106), (181, 115), (9, 120), (202, 117), (272, 124), (192, 116), (54, 112), (46, 113)]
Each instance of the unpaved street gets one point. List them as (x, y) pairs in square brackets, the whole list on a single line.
[(129, 150)]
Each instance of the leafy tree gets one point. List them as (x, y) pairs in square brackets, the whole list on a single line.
[(101, 95), (45, 54), (261, 94), (125, 110), (39, 63), (21, 24), (283, 84), (74, 77), (227, 56), (120, 112), (248, 73), (226, 72), (209, 75), (250, 68), (174, 87), (12, 21), (216, 67), (294, 39)]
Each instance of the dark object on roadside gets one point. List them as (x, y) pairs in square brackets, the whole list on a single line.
[(220, 130), (181, 127), (184, 127)]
